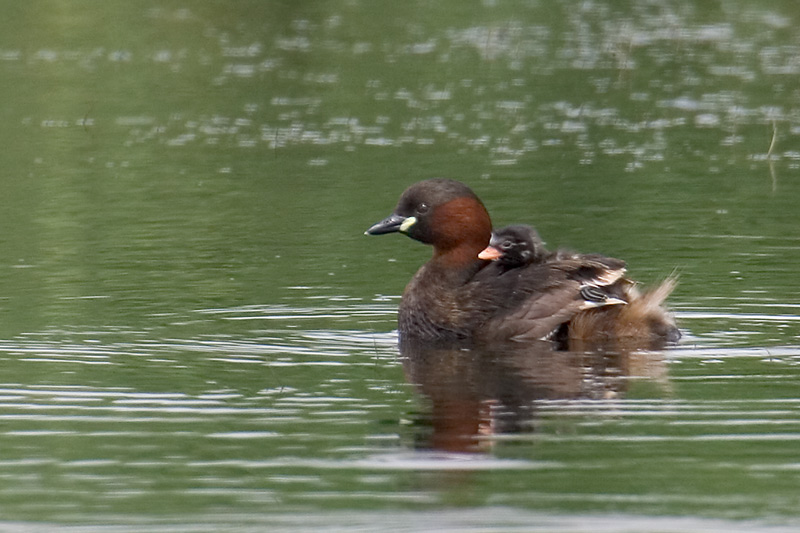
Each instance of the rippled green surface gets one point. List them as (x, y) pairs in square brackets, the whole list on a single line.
[(195, 334)]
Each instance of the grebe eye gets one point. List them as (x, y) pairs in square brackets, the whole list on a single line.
[(422, 208)]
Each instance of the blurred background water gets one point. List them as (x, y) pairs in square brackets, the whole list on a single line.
[(195, 334)]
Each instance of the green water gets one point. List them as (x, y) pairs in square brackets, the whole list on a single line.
[(195, 333)]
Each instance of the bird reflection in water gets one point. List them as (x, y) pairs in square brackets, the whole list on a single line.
[(478, 392)]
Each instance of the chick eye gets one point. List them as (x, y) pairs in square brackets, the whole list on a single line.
[(506, 245), (422, 208)]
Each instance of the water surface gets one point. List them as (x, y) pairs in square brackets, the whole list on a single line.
[(195, 333)]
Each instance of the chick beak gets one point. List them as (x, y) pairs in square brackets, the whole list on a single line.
[(490, 253)]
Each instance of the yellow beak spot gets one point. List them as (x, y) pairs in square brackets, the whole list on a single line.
[(407, 223)]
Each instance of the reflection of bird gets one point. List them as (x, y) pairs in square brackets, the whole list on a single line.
[(457, 295), (475, 392)]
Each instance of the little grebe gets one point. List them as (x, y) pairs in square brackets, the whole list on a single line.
[(518, 245), (457, 295)]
